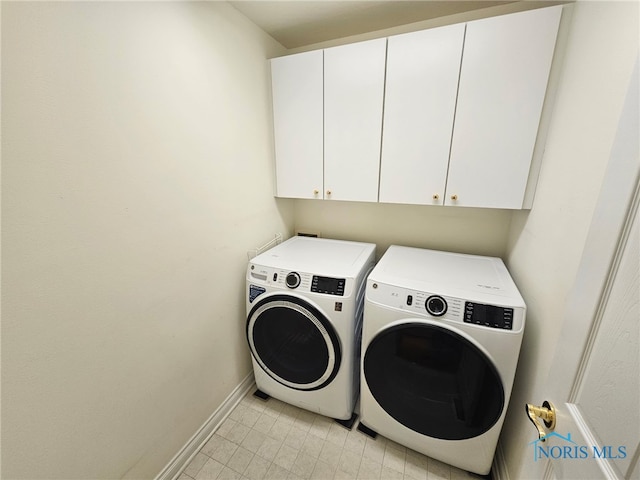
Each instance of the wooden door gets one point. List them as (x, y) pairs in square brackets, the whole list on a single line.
[(595, 377)]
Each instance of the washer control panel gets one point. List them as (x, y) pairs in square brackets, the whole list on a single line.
[(300, 281), (328, 285)]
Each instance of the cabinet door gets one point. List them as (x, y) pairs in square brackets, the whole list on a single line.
[(419, 104), (353, 96), (297, 117), (503, 80)]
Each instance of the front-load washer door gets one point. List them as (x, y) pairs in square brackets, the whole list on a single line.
[(433, 381), (293, 342)]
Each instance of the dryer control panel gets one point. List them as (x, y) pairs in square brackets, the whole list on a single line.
[(445, 307), (488, 315)]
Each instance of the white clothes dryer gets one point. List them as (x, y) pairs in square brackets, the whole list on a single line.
[(304, 320), (440, 344)]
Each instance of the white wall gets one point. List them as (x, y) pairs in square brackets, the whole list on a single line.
[(545, 245), (467, 230), (137, 167)]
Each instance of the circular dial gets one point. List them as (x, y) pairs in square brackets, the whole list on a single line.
[(293, 280), (436, 306)]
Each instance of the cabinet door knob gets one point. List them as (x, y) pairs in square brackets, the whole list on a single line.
[(315, 192), (454, 197), (436, 196), (328, 192)]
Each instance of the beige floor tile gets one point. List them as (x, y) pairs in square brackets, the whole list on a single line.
[(391, 474), (253, 441), (355, 442), (303, 465), (237, 412), (229, 474), (237, 433), (257, 468), (438, 470), (224, 451), (330, 454), (304, 420), (280, 429), (414, 469), (394, 459), (254, 403), (212, 444), (289, 414), (286, 456), (312, 445), (250, 417), (295, 437), (323, 471), (374, 450), (321, 426), (337, 434), (271, 440), (276, 472), (265, 422), (240, 460), (369, 470), (269, 448), (349, 463), (226, 427), (210, 470)]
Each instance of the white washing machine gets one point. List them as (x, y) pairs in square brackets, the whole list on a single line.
[(440, 344), (304, 321)]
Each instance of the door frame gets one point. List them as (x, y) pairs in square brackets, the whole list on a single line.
[(610, 223), (618, 202)]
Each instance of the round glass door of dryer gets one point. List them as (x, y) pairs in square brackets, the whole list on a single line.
[(293, 342), (433, 381)]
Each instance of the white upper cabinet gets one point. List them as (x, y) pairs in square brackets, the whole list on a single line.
[(353, 100), (462, 106), (419, 106), (297, 111), (503, 81)]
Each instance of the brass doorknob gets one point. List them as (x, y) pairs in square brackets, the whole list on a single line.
[(454, 197), (547, 412)]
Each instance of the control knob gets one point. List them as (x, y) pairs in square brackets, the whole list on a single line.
[(293, 280), (436, 305)]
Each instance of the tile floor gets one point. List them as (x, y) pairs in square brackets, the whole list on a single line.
[(272, 440)]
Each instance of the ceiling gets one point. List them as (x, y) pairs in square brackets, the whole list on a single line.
[(296, 23)]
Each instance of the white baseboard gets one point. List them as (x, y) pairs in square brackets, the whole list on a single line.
[(192, 447), (499, 469)]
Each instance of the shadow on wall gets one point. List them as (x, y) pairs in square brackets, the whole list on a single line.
[(465, 230)]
